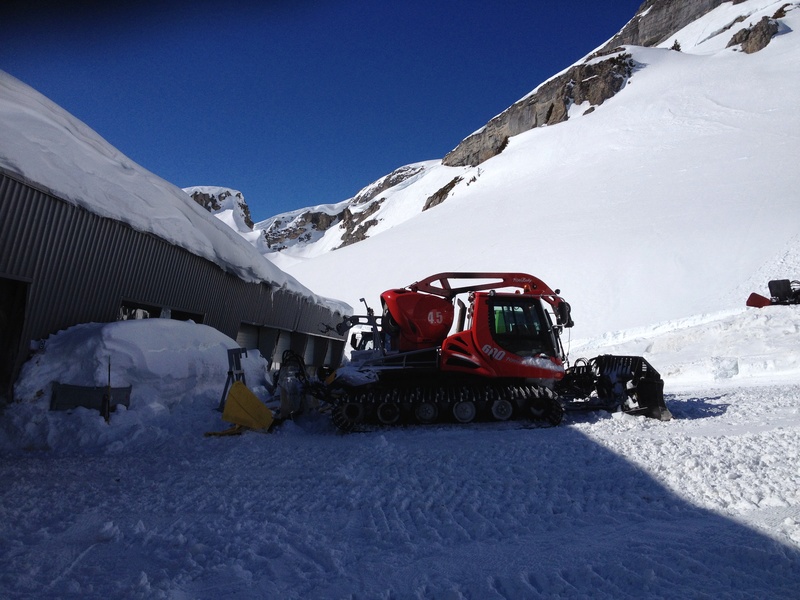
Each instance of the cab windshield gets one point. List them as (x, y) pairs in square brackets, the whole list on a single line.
[(520, 326)]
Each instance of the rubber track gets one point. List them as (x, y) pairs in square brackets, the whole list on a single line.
[(359, 406)]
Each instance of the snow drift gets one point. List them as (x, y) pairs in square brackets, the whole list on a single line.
[(177, 371)]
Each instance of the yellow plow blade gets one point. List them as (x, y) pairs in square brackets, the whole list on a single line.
[(242, 407)]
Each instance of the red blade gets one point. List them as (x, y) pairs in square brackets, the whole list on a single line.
[(758, 301)]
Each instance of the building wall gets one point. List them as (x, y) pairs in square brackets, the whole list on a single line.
[(72, 266)]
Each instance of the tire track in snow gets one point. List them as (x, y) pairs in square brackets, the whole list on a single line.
[(490, 510)]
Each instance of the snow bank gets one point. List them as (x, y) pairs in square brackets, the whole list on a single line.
[(748, 346), (177, 371)]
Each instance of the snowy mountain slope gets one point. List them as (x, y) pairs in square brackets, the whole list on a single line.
[(674, 197), (603, 506), (230, 207), (381, 205), (666, 201)]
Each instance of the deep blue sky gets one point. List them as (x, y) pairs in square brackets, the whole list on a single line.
[(294, 103)]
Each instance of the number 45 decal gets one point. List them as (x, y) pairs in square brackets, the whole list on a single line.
[(435, 317)]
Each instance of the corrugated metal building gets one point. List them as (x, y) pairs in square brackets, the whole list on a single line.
[(61, 265)]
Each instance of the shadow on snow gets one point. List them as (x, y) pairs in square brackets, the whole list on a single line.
[(480, 511)]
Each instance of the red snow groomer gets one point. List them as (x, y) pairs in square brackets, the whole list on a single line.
[(781, 291), (466, 346)]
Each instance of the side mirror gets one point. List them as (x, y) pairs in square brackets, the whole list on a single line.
[(564, 314)]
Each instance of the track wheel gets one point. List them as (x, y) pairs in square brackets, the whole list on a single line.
[(347, 415), (547, 409), (388, 413), (426, 412), (502, 409), (554, 413), (464, 411)]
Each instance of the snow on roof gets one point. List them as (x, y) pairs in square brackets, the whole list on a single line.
[(48, 147)]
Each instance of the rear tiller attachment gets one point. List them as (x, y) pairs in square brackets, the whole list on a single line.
[(607, 382)]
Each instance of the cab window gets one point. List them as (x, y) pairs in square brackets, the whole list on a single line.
[(518, 325)]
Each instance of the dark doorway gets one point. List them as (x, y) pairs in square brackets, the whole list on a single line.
[(13, 295)]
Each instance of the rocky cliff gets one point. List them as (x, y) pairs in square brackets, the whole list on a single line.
[(352, 217), (217, 200), (657, 20), (593, 81), (598, 77)]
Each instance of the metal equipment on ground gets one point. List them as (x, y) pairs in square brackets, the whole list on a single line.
[(781, 291)]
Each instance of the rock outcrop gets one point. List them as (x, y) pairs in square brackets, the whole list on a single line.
[(356, 225), (593, 81), (755, 38), (394, 178), (354, 219), (300, 228), (657, 20), (217, 199), (441, 195)]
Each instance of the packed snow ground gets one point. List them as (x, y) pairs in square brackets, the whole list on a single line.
[(607, 506)]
